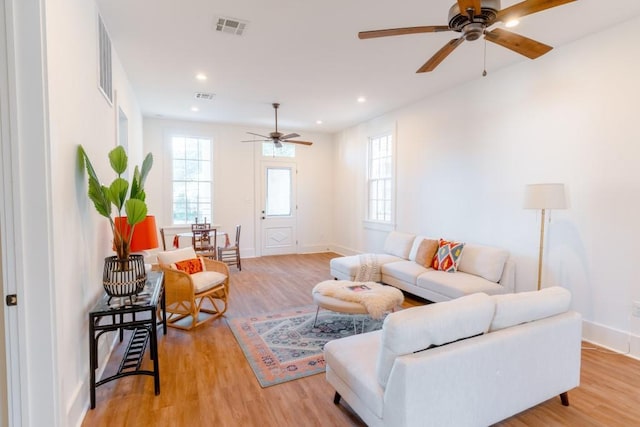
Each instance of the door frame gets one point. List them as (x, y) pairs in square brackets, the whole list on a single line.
[(10, 384), (260, 162)]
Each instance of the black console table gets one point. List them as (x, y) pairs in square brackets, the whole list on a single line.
[(138, 314)]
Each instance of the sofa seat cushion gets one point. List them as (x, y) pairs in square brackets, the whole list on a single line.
[(407, 271), (523, 307), (458, 284), (483, 261), (418, 328), (353, 360), (348, 266)]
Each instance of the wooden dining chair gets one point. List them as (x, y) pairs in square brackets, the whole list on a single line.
[(204, 240), (230, 253), (164, 243)]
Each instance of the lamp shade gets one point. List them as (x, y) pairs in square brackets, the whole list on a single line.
[(544, 196), (145, 233)]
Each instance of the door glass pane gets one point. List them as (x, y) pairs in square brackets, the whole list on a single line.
[(278, 201)]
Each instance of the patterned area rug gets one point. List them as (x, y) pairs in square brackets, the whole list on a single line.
[(284, 346)]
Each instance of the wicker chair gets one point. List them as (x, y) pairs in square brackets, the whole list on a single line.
[(187, 293)]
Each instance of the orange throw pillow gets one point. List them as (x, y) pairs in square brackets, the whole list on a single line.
[(190, 266), (426, 251)]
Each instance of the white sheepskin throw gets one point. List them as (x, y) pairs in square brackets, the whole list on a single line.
[(369, 268), (377, 299)]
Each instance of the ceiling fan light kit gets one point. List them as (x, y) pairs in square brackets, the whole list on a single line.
[(472, 19)]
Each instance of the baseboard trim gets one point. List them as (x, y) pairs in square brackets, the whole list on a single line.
[(622, 342)]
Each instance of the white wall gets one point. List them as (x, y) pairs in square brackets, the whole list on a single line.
[(465, 155), (79, 114), (235, 165)]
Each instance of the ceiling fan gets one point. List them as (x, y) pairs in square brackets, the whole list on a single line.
[(472, 18), (278, 137)]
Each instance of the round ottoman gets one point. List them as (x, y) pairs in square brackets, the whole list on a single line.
[(331, 295)]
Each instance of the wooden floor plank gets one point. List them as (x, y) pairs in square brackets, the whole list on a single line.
[(206, 380)]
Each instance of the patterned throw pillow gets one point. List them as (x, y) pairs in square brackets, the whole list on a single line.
[(426, 251), (448, 255), (189, 266)]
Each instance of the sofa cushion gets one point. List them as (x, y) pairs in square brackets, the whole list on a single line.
[(347, 267), (514, 309), (353, 360), (458, 284), (406, 271), (483, 261), (418, 328), (448, 256), (426, 251), (399, 244)]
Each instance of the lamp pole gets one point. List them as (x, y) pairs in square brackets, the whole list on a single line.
[(541, 246)]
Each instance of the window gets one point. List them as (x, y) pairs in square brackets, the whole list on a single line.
[(278, 192), (380, 178), (191, 179), (269, 149)]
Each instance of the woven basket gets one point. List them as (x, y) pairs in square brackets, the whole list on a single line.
[(124, 278)]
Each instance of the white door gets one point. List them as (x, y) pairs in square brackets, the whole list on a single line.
[(278, 216)]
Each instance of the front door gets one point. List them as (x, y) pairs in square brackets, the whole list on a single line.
[(278, 216)]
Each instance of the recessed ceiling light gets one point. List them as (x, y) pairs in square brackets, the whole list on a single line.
[(362, 99), (318, 122), (511, 23), (202, 77), (195, 109)]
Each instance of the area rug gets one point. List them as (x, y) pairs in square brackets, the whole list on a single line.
[(284, 346)]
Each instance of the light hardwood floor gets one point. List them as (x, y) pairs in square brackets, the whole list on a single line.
[(206, 380)]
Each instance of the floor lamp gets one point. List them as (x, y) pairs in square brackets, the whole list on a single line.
[(543, 197)]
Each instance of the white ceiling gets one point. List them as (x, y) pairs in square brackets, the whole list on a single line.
[(306, 55)]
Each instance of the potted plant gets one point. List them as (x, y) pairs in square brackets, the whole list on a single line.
[(124, 273)]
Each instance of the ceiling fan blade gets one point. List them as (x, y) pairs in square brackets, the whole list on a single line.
[(402, 31), (517, 43), (299, 142), (528, 7), (256, 140), (440, 55), (291, 135), (465, 5), (261, 136)]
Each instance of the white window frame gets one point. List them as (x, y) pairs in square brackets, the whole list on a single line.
[(209, 218), (371, 221)]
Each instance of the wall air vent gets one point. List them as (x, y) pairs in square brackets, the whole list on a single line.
[(205, 96), (231, 26)]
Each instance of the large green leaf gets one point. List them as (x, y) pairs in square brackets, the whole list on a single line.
[(136, 187), (118, 159), (118, 192), (136, 211), (146, 167), (99, 195)]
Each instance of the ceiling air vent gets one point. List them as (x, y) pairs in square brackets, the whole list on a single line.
[(205, 96), (231, 26)]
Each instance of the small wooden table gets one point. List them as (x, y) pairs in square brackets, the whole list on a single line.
[(137, 314)]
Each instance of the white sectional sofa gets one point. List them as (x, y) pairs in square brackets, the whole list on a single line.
[(481, 269), (472, 361)]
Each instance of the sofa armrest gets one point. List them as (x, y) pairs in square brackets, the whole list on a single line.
[(508, 278)]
